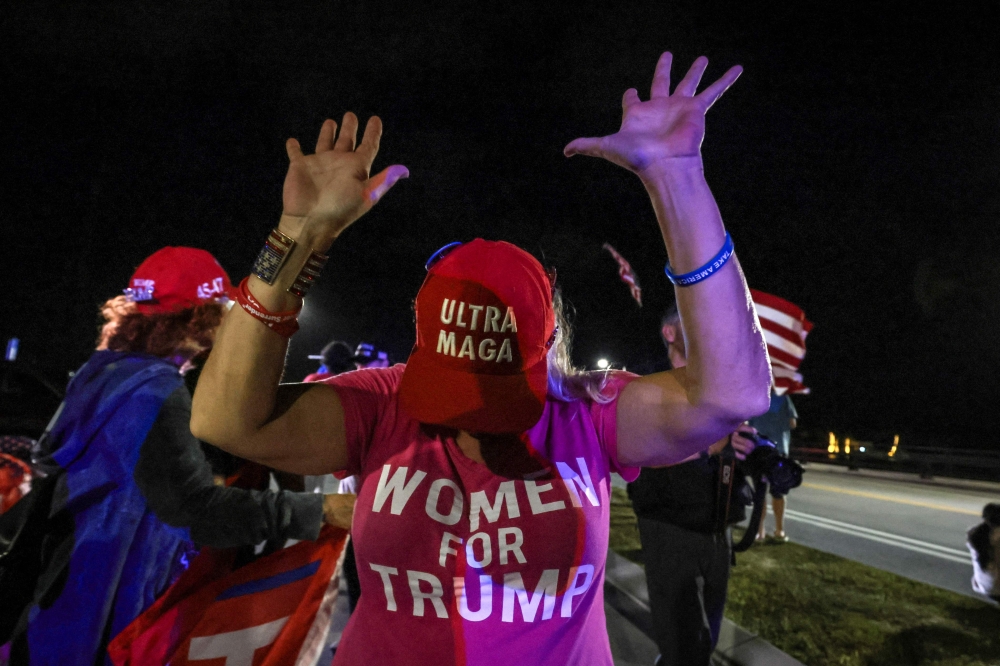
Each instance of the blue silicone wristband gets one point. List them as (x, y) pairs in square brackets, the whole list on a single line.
[(706, 271)]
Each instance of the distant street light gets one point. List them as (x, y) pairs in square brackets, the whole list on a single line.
[(602, 363)]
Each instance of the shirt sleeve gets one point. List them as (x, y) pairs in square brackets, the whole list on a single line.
[(605, 418), (365, 396), (176, 479)]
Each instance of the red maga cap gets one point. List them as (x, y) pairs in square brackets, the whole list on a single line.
[(173, 278), (484, 326)]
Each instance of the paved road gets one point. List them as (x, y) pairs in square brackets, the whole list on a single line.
[(898, 524)]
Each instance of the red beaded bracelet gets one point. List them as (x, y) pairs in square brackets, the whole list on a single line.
[(282, 323)]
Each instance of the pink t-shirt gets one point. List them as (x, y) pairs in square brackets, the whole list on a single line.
[(461, 565)]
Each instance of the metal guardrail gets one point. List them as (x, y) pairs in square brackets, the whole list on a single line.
[(928, 462)]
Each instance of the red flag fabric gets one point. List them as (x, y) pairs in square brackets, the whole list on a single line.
[(626, 273), (785, 330), (15, 481), (274, 611)]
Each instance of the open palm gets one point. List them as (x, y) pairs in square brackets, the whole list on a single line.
[(668, 126), (332, 187)]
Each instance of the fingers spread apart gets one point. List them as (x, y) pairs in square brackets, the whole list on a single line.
[(584, 146), (348, 133), (327, 133), (689, 84), (328, 139), (711, 94), (293, 149), (368, 148), (630, 97), (661, 77)]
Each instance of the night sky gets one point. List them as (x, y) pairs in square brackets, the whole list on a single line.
[(855, 162)]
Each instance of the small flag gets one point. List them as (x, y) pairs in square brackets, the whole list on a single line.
[(273, 612), (785, 329), (626, 273)]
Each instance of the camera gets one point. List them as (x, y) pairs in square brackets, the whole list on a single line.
[(765, 463), (766, 466)]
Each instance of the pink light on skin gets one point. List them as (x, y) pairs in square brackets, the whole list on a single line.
[(382, 182)]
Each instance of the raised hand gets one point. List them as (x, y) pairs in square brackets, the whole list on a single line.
[(667, 127), (332, 187)]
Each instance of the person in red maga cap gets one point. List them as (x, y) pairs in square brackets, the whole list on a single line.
[(481, 524), (135, 494)]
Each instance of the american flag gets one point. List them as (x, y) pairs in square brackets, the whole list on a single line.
[(626, 273), (785, 329)]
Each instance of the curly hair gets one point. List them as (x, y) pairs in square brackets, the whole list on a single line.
[(186, 333)]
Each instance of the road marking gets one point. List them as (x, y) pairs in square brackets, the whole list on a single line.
[(915, 545), (890, 498)]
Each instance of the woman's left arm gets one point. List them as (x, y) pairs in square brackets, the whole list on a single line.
[(665, 417)]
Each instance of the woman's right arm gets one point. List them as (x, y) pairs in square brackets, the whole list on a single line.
[(238, 404)]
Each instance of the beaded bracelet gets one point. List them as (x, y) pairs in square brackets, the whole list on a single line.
[(304, 280), (282, 323), (706, 271)]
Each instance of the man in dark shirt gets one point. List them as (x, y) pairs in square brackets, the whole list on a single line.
[(685, 545)]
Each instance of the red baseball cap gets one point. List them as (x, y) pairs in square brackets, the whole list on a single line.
[(484, 327), (173, 278)]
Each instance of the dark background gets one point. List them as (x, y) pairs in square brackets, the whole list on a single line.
[(855, 163)]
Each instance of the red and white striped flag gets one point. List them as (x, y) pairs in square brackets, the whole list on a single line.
[(626, 273), (274, 611), (785, 329)]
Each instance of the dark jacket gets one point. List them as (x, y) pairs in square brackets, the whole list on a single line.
[(685, 495)]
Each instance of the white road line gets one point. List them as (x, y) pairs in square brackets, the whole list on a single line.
[(915, 545), (888, 535)]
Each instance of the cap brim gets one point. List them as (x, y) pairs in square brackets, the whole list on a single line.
[(493, 404)]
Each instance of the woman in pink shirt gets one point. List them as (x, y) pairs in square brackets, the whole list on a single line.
[(481, 525)]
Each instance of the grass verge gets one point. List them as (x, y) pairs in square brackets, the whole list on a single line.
[(825, 610)]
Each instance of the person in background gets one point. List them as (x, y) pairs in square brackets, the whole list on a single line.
[(349, 486), (367, 356), (984, 546), (777, 424), (685, 544), (338, 358), (137, 490), (335, 358)]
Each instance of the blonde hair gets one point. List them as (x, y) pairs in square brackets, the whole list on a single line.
[(566, 381)]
